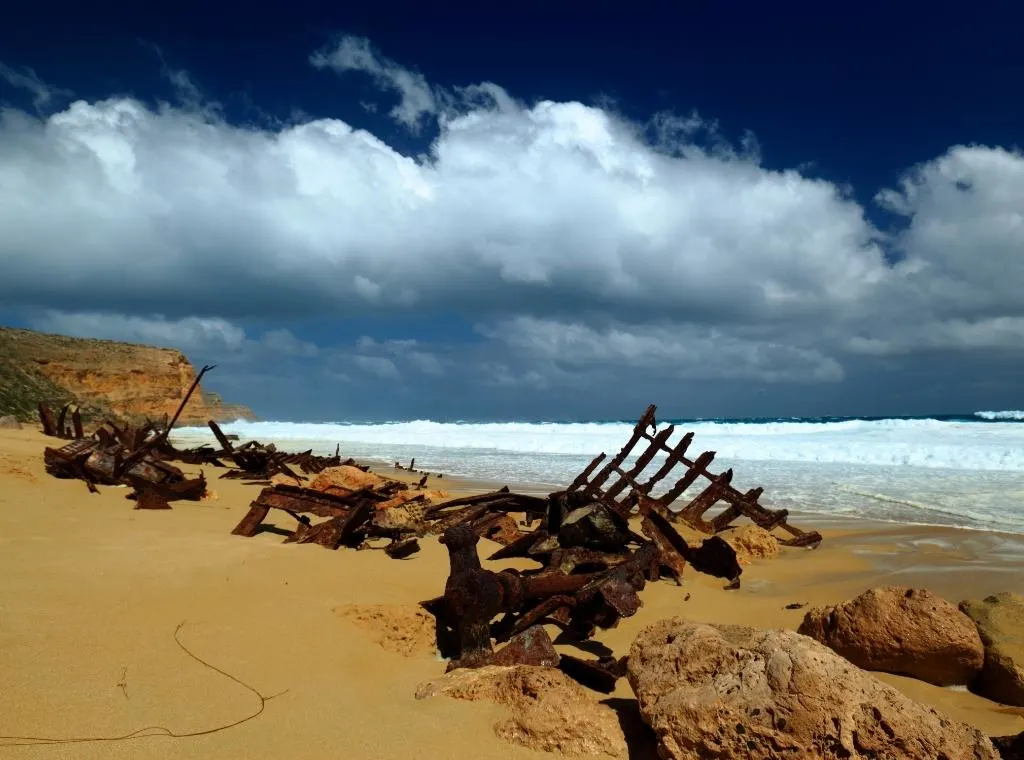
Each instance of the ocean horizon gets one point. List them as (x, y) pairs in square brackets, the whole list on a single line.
[(962, 470)]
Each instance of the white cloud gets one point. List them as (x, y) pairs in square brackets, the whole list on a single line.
[(377, 365), (284, 342), (681, 352), (43, 94), (187, 334), (548, 205), (416, 98), (576, 237), (426, 362)]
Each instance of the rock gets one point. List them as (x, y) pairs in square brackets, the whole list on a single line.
[(728, 692), (280, 479), (909, 632), (549, 711), (425, 498), (346, 478), (1000, 622), (751, 542), (408, 517), (9, 422)]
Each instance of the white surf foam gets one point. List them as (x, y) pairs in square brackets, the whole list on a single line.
[(1011, 414), (929, 472), (917, 443)]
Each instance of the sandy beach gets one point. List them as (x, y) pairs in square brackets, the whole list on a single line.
[(94, 593)]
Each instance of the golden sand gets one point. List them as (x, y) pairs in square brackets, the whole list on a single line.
[(94, 591)]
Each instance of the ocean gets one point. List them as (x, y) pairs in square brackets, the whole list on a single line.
[(952, 470)]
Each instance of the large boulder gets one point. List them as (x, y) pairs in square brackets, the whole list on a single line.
[(9, 422), (547, 710), (728, 692), (909, 632), (1000, 622)]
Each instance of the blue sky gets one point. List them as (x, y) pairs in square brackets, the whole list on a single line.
[(387, 211)]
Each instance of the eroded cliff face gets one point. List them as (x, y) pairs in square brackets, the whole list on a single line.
[(127, 380)]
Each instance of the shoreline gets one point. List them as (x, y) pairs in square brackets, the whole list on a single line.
[(95, 590)]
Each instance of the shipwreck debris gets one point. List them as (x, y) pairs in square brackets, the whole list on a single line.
[(113, 455), (620, 489)]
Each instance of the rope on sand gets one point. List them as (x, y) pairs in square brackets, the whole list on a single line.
[(151, 731)]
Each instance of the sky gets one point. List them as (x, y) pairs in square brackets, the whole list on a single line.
[(390, 211)]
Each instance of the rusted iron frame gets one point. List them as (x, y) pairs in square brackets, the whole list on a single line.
[(720, 488), (593, 488)]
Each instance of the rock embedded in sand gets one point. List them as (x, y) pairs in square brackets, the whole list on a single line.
[(9, 422), (751, 542), (732, 692), (1000, 622), (910, 632), (280, 479), (549, 711), (347, 478), (405, 517)]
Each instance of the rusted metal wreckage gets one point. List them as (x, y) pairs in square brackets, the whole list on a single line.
[(354, 517), (593, 564), (140, 456)]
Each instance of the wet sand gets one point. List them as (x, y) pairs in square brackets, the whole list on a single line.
[(94, 591)]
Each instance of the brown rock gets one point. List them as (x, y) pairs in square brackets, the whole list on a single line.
[(549, 711), (751, 542), (909, 632), (280, 479), (402, 497), (1000, 622), (407, 517), (9, 422), (730, 692), (347, 478)]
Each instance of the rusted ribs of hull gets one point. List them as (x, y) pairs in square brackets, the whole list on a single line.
[(623, 489)]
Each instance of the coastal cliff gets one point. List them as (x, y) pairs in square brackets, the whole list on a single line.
[(124, 381)]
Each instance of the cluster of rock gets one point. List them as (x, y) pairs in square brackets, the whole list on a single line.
[(727, 691), (915, 633)]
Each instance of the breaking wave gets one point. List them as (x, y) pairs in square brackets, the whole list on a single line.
[(930, 443), (957, 471), (1012, 414)]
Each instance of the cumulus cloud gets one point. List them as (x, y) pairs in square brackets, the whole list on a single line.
[(574, 238), (676, 352), (552, 207)]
